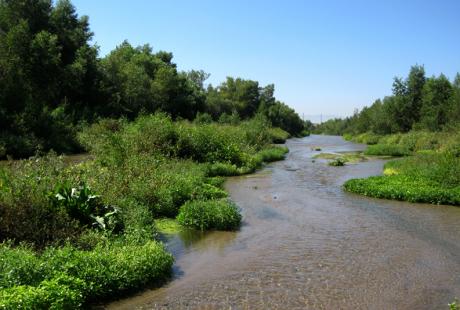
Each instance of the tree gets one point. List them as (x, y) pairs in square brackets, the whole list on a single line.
[(436, 97)]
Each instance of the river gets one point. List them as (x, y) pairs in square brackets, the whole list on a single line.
[(307, 244)]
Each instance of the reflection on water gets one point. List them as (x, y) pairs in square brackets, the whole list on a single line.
[(305, 243)]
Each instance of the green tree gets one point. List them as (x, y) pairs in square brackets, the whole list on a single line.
[(437, 94)]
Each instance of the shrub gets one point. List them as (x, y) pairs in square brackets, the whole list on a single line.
[(273, 154), (83, 204), (278, 135), (210, 214), (61, 292), (387, 150), (367, 138), (63, 274)]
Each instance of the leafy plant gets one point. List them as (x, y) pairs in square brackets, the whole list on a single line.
[(210, 214), (85, 206)]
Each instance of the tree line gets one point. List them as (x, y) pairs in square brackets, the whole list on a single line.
[(53, 82), (417, 103)]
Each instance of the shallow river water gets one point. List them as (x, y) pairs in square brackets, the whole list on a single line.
[(307, 244)]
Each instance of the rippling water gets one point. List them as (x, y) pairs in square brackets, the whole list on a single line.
[(306, 244)]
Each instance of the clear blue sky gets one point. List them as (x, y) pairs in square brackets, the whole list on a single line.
[(326, 57)]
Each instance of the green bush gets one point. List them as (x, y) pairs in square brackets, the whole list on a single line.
[(386, 150), (367, 138), (67, 274), (272, 154), (278, 135), (26, 212), (84, 205), (210, 214), (61, 292)]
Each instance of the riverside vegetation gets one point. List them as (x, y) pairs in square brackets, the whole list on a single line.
[(420, 122), (159, 145), (81, 232)]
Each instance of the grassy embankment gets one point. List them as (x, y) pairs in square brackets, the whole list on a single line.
[(76, 233), (431, 174)]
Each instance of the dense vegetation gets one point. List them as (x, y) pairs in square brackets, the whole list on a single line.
[(53, 82), (76, 232), (159, 143), (430, 178), (422, 119)]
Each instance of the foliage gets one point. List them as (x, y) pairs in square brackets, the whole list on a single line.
[(26, 213), (386, 150), (278, 135), (67, 276), (430, 178), (61, 292), (210, 214), (85, 206), (49, 74), (159, 144), (53, 82)]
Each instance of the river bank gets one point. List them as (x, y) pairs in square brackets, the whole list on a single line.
[(76, 233), (305, 243)]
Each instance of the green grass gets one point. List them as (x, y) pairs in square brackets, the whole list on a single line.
[(428, 178), (210, 214), (387, 150)]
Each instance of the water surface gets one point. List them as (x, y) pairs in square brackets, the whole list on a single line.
[(306, 244)]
